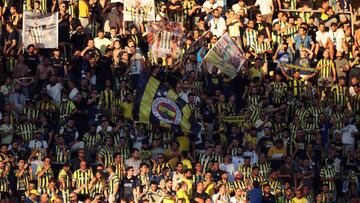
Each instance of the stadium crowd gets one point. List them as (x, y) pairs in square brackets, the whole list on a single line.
[(285, 129)]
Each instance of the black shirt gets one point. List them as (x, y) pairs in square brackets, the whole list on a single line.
[(32, 61), (202, 196), (127, 185)]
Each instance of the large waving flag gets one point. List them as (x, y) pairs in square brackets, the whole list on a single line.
[(156, 103)]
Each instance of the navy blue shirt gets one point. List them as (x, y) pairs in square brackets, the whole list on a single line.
[(255, 195)]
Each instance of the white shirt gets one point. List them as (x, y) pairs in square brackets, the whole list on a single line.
[(221, 199), (38, 144), (322, 37), (237, 161), (217, 26), (236, 8), (102, 44), (55, 92), (265, 6), (239, 200), (208, 5), (347, 136), (337, 38)]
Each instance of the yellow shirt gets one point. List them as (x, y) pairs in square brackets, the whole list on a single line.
[(83, 9), (186, 163), (127, 109), (296, 200), (181, 194), (210, 189), (274, 152), (249, 139), (184, 143)]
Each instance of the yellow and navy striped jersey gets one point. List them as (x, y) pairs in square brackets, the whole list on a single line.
[(274, 186), (254, 110), (264, 169), (260, 48), (97, 188), (119, 169), (4, 181), (246, 171), (25, 131), (355, 103), (258, 179), (106, 154), (297, 86), (80, 178), (276, 38), (308, 129), (338, 118), (62, 154), (327, 66), (329, 173), (65, 109), (340, 95), (107, 99), (66, 178), (22, 182), (187, 6), (51, 192), (221, 108), (91, 139), (46, 106), (291, 32), (315, 111), (205, 160), (278, 90), (160, 168), (31, 113), (43, 181), (250, 37)]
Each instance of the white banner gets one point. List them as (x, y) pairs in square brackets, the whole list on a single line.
[(40, 29), (139, 10)]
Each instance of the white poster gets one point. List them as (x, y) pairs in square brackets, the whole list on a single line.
[(40, 29), (139, 10)]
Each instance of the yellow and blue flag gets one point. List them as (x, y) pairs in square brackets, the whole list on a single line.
[(157, 103)]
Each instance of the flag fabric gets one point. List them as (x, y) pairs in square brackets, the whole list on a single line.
[(139, 11), (40, 29), (226, 56), (157, 103), (194, 47), (165, 39)]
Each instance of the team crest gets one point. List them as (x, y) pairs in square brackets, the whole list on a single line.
[(166, 110)]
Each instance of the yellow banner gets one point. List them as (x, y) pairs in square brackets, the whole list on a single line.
[(233, 119)]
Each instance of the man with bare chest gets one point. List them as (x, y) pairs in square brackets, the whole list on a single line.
[(43, 73)]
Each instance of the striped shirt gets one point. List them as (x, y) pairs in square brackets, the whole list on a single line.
[(22, 182), (43, 181), (61, 158), (250, 37), (327, 66), (65, 176), (81, 177), (106, 154), (329, 173), (339, 95), (25, 131), (91, 139)]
